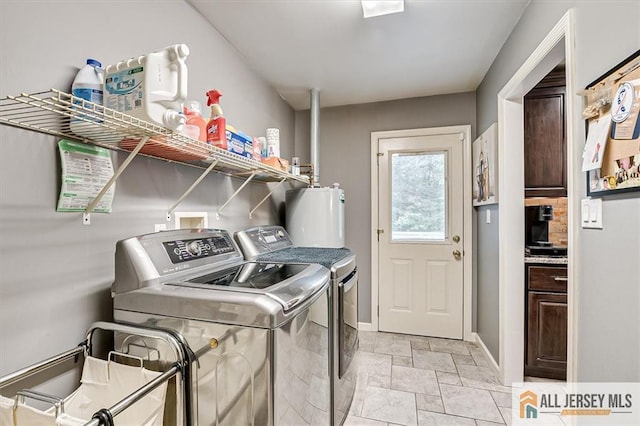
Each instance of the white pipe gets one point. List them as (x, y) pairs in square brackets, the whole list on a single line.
[(315, 130)]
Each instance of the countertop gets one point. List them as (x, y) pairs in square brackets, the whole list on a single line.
[(555, 260)]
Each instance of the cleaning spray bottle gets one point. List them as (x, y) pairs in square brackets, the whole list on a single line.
[(216, 128)]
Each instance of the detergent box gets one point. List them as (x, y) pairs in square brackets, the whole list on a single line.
[(239, 143)]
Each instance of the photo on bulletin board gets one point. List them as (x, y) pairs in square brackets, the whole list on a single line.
[(485, 167), (611, 156)]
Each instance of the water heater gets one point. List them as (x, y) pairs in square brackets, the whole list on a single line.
[(315, 217)]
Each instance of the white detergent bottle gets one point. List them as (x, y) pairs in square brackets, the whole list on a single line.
[(87, 86), (151, 87)]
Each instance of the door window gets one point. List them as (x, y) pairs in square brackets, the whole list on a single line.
[(419, 196)]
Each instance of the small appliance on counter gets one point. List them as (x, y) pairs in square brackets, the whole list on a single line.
[(536, 229)]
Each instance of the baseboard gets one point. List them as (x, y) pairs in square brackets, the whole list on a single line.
[(365, 326), (492, 362)]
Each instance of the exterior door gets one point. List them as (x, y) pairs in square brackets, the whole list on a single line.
[(420, 211)]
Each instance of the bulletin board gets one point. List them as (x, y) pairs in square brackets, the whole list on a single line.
[(611, 156)]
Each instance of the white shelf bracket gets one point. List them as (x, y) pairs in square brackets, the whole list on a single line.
[(86, 216), (245, 183), (191, 188), (266, 197)]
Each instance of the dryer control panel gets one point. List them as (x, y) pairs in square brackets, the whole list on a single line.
[(263, 239)]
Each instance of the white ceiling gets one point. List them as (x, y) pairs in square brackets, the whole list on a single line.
[(434, 47)]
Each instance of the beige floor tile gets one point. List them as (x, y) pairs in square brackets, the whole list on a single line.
[(481, 384), (463, 359), (506, 415), (469, 402), (423, 345), (393, 347), (478, 373), (377, 368), (389, 405), (449, 346), (414, 380), (360, 421), (438, 361), (502, 399), (485, 423), (478, 356), (429, 403), (427, 418), (448, 378), (404, 361)]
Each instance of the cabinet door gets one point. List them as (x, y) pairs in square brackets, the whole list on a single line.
[(546, 335), (544, 143)]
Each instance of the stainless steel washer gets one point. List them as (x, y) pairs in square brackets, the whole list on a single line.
[(257, 329), (272, 244)]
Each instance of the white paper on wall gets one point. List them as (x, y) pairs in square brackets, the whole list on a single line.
[(85, 171), (596, 143)]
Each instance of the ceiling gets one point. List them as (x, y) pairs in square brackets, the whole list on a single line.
[(434, 47)]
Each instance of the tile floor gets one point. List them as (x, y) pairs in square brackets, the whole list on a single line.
[(413, 380)]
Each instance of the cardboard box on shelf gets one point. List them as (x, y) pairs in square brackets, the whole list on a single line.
[(239, 143), (278, 163)]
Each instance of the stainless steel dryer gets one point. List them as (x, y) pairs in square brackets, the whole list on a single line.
[(255, 328), (273, 244)]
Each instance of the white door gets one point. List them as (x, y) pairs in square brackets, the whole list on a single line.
[(420, 193)]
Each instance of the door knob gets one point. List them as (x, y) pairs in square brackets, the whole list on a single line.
[(456, 238), (457, 254)]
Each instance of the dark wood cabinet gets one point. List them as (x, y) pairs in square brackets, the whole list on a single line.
[(546, 322), (545, 152)]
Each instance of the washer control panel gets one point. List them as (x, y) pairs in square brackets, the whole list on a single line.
[(197, 248)]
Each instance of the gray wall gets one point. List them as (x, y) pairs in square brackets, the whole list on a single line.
[(345, 157), (486, 255), (55, 273), (609, 290)]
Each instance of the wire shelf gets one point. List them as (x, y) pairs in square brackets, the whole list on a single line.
[(52, 112)]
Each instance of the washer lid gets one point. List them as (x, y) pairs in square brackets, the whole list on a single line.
[(232, 296), (282, 282)]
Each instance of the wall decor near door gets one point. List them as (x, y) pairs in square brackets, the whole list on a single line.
[(485, 167), (611, 155)]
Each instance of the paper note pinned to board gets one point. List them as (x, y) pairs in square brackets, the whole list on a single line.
[(596, 143)]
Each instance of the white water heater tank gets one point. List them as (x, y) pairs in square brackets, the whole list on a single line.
[(315, 217)]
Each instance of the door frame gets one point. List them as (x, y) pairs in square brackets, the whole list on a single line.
[(467, 298), (558, 44)]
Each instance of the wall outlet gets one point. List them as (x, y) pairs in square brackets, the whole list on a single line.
[(160, 227)]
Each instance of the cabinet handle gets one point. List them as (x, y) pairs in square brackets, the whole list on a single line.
[(561, 278)]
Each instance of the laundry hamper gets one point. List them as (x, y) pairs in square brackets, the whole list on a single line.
[(109, 392)]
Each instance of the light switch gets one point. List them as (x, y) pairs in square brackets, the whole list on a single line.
[(585, 213), (488, 216), (591, 213), (595, 213)]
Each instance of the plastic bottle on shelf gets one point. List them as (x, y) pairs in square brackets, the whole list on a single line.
[(150, 87), (87, 86), (216, 128), (193, 112)]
